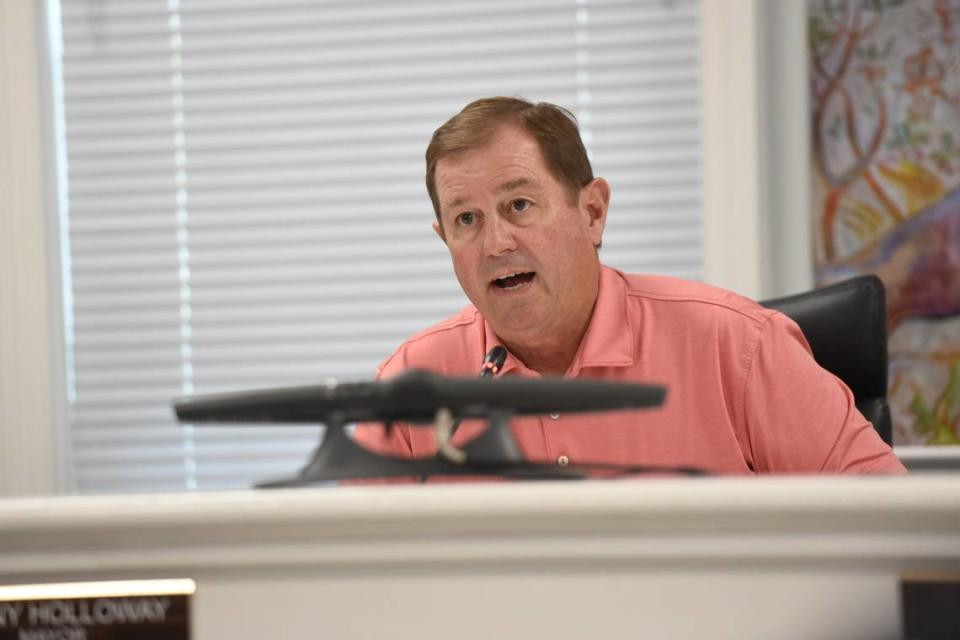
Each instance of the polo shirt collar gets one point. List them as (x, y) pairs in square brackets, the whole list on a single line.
[(609, 340)]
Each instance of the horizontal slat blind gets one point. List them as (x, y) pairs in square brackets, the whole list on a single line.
[(125, 337), (246, 200)]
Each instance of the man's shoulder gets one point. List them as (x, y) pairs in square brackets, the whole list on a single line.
[(450, 329), (438, 347), (668, 293)]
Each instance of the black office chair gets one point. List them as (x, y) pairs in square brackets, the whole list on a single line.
[(846, 326)]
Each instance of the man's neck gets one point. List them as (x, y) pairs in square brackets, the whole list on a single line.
[(551, 352)]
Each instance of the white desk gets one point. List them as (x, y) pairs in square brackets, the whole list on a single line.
[(689, 558)]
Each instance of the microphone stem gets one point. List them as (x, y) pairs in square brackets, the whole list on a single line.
[(492, 364)]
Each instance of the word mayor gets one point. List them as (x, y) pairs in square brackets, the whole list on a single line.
[(83, 612)]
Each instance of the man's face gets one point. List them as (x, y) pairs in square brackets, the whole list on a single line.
[(524, 254)]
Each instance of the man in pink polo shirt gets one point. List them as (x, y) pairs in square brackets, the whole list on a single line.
[(523, 216)]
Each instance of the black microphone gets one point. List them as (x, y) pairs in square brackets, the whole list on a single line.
[(492, 363)]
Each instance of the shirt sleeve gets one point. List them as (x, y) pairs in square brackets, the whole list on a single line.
[(800, 417)]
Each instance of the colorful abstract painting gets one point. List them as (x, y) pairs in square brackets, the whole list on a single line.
[(885, 114)]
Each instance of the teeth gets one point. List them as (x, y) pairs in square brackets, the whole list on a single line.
[(502, 284)]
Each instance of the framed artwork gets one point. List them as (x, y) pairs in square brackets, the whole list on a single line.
[(885, 115)]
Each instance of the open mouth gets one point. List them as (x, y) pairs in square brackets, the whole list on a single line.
[(514, 280)]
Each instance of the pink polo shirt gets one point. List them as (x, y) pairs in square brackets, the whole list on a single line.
[(744, 394)]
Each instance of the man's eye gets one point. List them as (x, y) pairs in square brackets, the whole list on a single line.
[(520, 205), (465, 219)]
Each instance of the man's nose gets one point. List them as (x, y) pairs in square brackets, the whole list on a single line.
[(497, 237)]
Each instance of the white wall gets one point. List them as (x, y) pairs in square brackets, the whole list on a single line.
[(756, 151), (755, 175), (787, 258), (732, 169)]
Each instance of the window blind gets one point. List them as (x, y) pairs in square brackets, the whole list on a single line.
[(245, 199)]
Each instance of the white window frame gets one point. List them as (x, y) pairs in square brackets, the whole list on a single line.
[(29, 286)]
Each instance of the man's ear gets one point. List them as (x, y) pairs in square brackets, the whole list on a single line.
[(439, 231), (594, 202)]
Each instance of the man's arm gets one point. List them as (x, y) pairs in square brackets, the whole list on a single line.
[(800, 417)]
